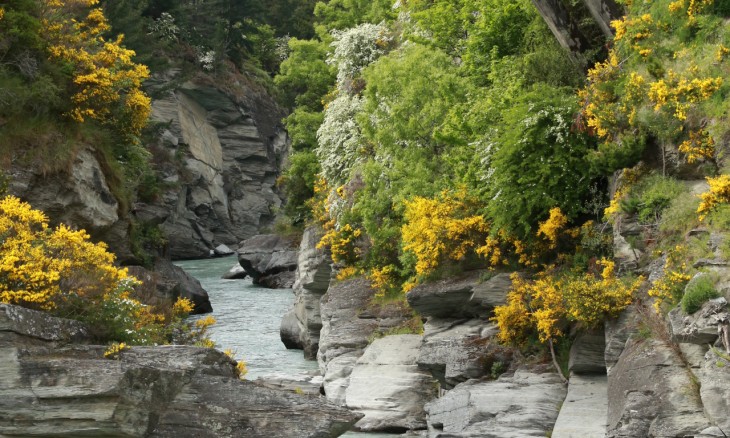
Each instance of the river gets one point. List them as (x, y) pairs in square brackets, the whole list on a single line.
[(247, 322)]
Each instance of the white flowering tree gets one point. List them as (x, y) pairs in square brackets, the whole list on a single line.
[(339, 139), (355, 49)]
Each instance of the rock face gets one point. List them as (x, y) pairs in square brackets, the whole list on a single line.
[(231, 150), (346, 326), (269, 259), (171, 282), (467, 296), (300, 327), (650, 393), (79, 197), (49, 387), (583, 413), (387, 386), (454, 351), (523, 405)]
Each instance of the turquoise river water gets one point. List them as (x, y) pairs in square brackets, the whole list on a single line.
[(248, 319)]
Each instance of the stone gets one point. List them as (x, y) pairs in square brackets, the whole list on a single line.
[(584, 411), (650, 393), (38, 325), (525, 404), (714, 379), (269, 259), (235, 273), (51, 388), (300, 328), (347, 325), (304, 384), (454, 351), (223, 250), (700, 327), (387, 386), (290, 331), (466, 296), (587, 353), (171, 281)]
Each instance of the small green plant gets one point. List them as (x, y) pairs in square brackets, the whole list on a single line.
[(698, 291), (651, 196), (498, 368)]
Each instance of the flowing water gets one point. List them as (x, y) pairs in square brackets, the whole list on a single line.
[(247, 322), (248, 319)]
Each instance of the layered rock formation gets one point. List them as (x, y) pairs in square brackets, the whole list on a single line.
[(54, 384), (300, 327), (270, 260), (231, 150)]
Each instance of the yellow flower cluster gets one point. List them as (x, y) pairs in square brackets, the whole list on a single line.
[(680, 93), (547, 303), (108, 83), (700, 145), (719, 193), (553, 226), (114, 349), (182, 307), (347, 272), (670, 286), (383, 279), (599, 107), (39, 265), (441, 228), (690, 7)]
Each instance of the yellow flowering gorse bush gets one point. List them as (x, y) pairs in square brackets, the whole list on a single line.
[(546, 304), (108, 82)]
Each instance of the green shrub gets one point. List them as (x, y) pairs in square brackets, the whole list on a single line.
[(698, 291)]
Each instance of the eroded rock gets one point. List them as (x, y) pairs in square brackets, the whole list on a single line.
[(49, 389), (522, 405), (269, 259), (387, 386)]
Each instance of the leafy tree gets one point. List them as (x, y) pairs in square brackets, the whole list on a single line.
[(538, 163), (305, 76)]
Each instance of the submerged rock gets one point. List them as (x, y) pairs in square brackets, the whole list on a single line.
[(51, 388), (269, 259)]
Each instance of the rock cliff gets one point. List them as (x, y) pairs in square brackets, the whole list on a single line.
[(230, 148)]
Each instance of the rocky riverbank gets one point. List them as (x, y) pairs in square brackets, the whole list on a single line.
[(455, 380), (53, 382)]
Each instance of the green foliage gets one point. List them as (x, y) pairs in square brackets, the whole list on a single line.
[(539, 162), (305, 76), (700, 289), (651, 196), (343, 14), (298, 181), (409, 96)]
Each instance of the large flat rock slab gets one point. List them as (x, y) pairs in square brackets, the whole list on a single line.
[(585, 409), (523, 405), (387, 386)]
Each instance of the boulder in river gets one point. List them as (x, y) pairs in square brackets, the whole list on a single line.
[(172, 281), (270, 260)]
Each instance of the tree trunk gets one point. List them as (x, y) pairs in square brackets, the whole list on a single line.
[(566, 30), (604, 12)]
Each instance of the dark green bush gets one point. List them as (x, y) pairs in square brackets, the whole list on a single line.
[(698, 291)]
